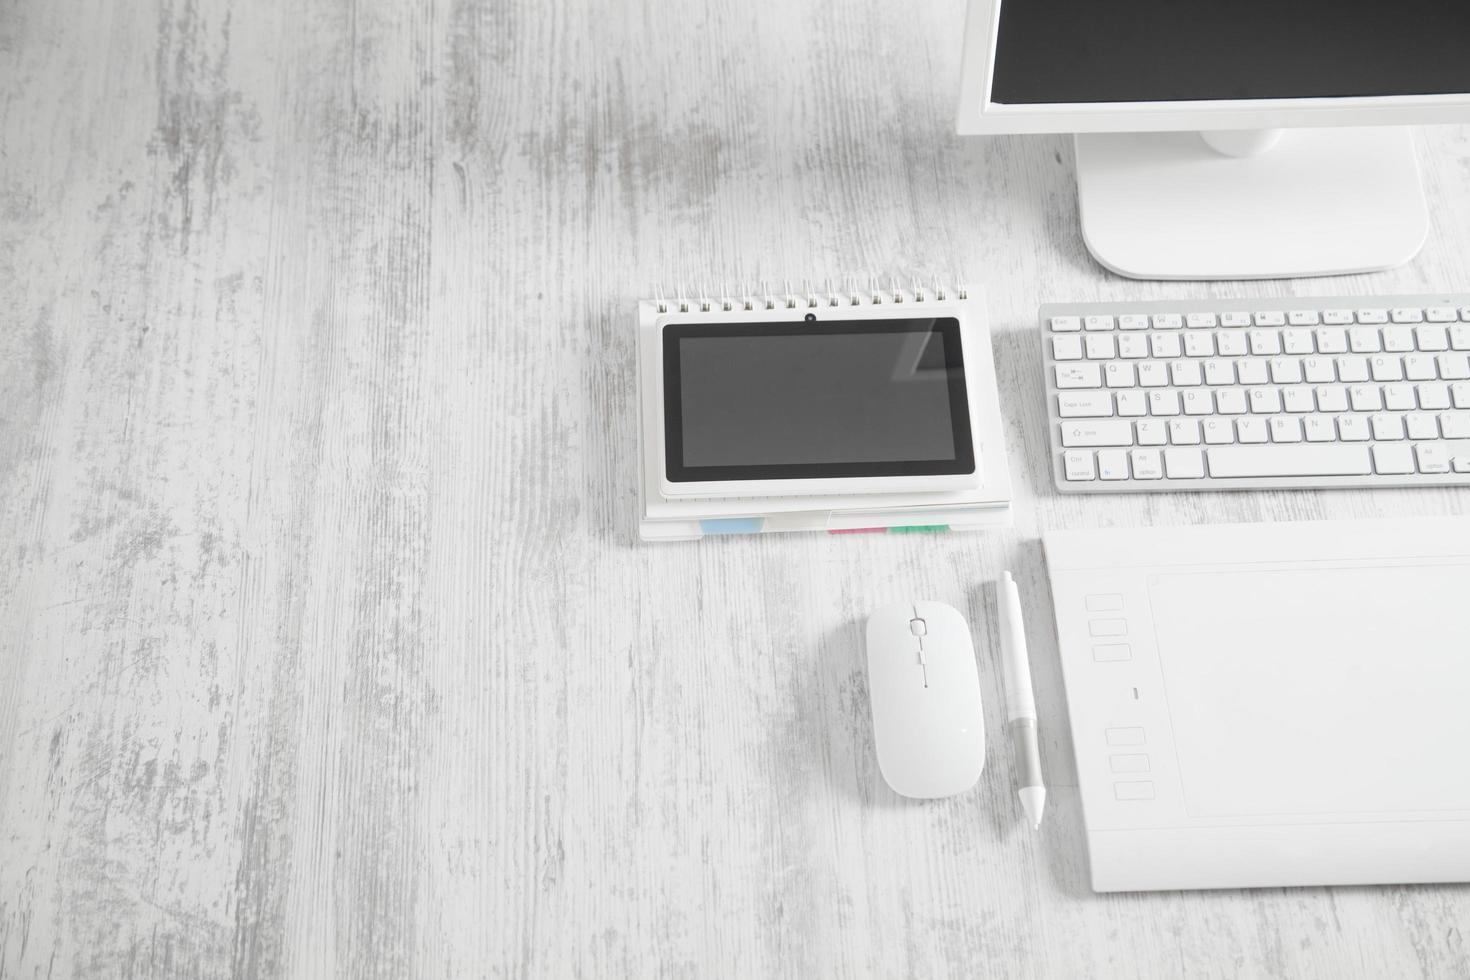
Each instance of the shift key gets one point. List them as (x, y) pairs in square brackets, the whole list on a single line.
[(1097, 432)]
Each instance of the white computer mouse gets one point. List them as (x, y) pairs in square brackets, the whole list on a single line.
[(924, 687)]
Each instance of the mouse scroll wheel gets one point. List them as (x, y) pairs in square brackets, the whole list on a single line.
[(918, 627)]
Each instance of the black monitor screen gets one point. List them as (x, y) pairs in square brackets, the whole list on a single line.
[(1058, 51), (850, 398)]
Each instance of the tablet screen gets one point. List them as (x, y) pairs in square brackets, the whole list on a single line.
[(815, 399)]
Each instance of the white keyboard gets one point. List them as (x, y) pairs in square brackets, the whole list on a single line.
[(1232, 394)]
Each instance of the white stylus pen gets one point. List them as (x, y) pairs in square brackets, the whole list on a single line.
[(1020, 701)]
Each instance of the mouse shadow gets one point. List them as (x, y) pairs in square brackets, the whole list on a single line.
[(852, 757)]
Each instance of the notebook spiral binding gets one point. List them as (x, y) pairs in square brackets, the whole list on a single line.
[(853, 292)]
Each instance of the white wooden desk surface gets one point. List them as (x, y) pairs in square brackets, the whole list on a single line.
[(326, 645)]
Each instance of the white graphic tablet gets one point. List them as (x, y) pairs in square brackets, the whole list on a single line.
[(1269, 704)]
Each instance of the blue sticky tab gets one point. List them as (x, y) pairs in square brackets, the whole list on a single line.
[(733, 525)]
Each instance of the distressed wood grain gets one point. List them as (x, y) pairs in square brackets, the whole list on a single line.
[(326, 645)]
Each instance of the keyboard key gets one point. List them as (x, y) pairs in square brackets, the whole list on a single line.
[(1398, 398), (1132, 345), (1168, 321), (1460, 337), (1420, 367), (1387, 368), (1230, 401), (1434, 396), (1118, 374), (1306, 459), (1297, 342), (1078, 465), (1219, 372), (1185, 374), (1432, 458), (1398, 339), (1421, 425), (1163, 402), (1392, 458), (1199, 345), (1066, 324), (1184, 463), (1270, 318), (1406, 315), (1231, 344), (1217, 431), (1197, 320), (1319, 428), (1250, 430), (1166, 345), (1151, 432), (1079, 376), (1440, 314), (1100, 347), (1286, 370), (1352, 428), (1455, 425), (1131, 404), (1366, 398), (1112, 464), (1432, 337), (1387, 427), (1454, 367), (1183, 432), (1303, 318), (1352, 368), (1337, 317), (1318, 370), (1286, 428), (1332, 340), (1373, 316), (1097, 321), (1152, 374), (1097, 432), (1460, 394), (1241, 319), (1364, 340), (1084, 404), (1251, 370), (1197, 401), (1265, 401), (1132, 321), (1067, 348), (1265, 342), (1332, 398), (1147, 465), (1298, 398)]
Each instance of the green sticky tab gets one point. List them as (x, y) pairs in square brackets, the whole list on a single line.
[(919, 529)]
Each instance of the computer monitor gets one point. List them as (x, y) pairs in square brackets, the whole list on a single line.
[(1228, 139)]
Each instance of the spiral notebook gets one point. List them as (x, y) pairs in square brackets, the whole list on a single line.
[(932, 506)]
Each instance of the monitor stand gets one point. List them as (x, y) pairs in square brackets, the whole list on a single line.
[(1251, 204)]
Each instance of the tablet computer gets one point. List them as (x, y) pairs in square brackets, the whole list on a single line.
[(815, 405)]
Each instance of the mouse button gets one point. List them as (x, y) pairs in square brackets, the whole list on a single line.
[(918, 627)]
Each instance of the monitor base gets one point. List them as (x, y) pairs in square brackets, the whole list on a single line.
[(1316, 202)]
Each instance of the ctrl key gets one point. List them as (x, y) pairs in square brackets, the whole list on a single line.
[(1078, 465)]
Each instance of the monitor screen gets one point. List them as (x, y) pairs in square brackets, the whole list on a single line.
[(1081, 51), (815, 399)]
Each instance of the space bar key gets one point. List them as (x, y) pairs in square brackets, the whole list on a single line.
[(1322, 459)]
